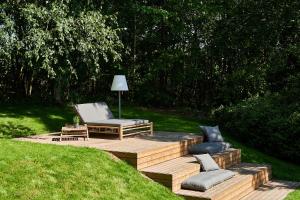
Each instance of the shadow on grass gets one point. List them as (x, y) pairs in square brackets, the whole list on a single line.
[(52, 118), (32, 116)]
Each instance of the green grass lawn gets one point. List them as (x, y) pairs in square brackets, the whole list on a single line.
[(293, 195), (36, 118), (43, 119), (38, 171)]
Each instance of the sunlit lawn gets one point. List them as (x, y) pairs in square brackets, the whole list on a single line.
[(294, 195)]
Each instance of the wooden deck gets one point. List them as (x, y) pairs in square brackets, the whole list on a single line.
[(140, 152), (273, 190), (248, 178)]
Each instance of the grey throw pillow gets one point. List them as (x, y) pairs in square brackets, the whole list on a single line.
[(209, 147), (212, 133), (207, 162)]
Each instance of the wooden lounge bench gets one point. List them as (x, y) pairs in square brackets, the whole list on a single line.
[(100, 120)]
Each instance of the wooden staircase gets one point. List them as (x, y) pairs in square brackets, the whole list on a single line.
[(166, 161), (173, 172)]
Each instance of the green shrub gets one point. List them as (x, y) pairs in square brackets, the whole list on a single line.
[(269, 123), (10, 130)]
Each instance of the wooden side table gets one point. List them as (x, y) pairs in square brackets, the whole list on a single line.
[(80, 131)]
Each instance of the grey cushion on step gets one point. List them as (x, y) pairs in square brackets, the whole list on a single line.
[(209, 147), (206, 180), (207, 162), (212, 133)]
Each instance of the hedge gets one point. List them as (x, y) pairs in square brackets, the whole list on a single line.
[(267, 123)]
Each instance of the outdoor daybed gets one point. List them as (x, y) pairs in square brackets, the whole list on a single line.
[(99, 119)]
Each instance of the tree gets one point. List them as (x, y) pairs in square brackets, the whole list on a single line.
[(50, 41)]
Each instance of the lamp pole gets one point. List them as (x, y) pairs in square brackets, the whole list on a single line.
[(119, 104)]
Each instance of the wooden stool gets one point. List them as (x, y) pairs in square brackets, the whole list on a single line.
[(70, 130)]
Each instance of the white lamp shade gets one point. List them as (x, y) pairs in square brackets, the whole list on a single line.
[(119, 83)]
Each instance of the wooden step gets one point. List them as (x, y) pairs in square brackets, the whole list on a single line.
[(273, 190), (148, 151), (248, 178), (228, 158), (173, 172)]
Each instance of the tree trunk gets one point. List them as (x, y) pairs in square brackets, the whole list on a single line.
[(58, 91)]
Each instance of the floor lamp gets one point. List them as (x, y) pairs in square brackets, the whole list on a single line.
[(119, 84)]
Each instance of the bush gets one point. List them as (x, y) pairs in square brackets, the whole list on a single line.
[(11, 130), (269, 123)]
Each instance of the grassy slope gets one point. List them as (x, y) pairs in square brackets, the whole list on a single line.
[(38, 171), (45, 119), (293, 195)]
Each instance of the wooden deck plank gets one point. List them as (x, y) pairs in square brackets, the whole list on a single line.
[(148, 146), (267, 193), (161, 159), (273, 190), (173, 167)]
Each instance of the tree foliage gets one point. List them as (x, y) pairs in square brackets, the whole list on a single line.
[(199, 54), (270, 123), (204, 54), (52, 45)]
